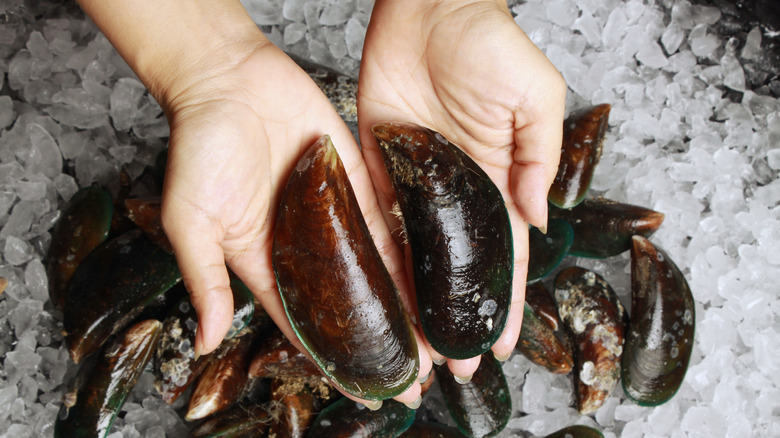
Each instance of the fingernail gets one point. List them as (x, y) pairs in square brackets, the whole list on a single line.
[(440, 361), (373, 405), (197, 349), (415, 404), (425, 378), (463, 380), (502, 358)]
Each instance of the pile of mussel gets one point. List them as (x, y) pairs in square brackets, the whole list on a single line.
[(125, 309)]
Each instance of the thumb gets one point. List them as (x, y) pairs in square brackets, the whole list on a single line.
[(201, 261)]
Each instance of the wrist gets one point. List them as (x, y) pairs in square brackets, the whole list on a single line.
[(177, 45)]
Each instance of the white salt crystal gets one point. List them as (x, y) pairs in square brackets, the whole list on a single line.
[(590, 27), (82, 56), (702, 421), (45, 156), (36, 280), (125, 101), (773, 158), (30, 190), (562, 12), (38, 46), (365, 6), (265, 12), (733, 75), (651, 55), (354, 35), (672, 37), (615, 28), (545, 423), (337, 45), (123, 154), (19, 70), (707, 15), (155, 432), (752, 48), (534, 392), (293, 33), (17, 251), (17, 430), (630, 412), (337, 13), (293, 10), (682, 14), (704, 46)]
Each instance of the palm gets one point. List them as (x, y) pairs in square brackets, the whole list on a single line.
[(471, 74)]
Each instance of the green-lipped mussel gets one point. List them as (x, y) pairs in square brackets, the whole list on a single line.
[(339, 297), (603, 228), (660, 335), (461, 240), (583, 137), (592, 311), (482, 406), (546, 251), (347, 419), (542, 338), (104, 391)]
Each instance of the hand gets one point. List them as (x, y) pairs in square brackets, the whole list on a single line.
[(465, 69), (235, 137)]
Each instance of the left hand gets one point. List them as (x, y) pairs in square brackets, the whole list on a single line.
[(465, 69)]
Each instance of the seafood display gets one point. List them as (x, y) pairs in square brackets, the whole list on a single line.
[(461, 241), (258, 384)]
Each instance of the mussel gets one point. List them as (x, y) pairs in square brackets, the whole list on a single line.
[(338, 295), (660, 334), (583, 137), (461, 240), (595, 316)]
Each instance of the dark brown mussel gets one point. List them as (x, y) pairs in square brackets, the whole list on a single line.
[(223, 381), (339, 297), (107, 385), (458, 229), (542, 338), (597, 320), (583, 137), (298, 408), (146, 214), (111, 287), (482, 406), (85, 223), (603, 228), (421, 429), (545, 251), (576, 431), (248, 420), (276, 356), (345, 418), (660, 334)]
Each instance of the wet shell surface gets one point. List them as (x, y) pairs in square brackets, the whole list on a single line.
[(595, 316), (542, 337), (660, 335), (482, 406), (339, 297), (460, 237), (603, 228), (583, 137), (347, 419)]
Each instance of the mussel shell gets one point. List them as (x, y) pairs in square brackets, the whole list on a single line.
[(545, 251), (576, 431), (542, 338), (276, 356), (458, 229), (84, 225), (482, 406), (111, 287), (106, 387), (660, 335), (299, 407), (240, 421), (339, 297), (146, 214), (176, 366), (603, 228), (583, 137), (345, 418), (592, 311)]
